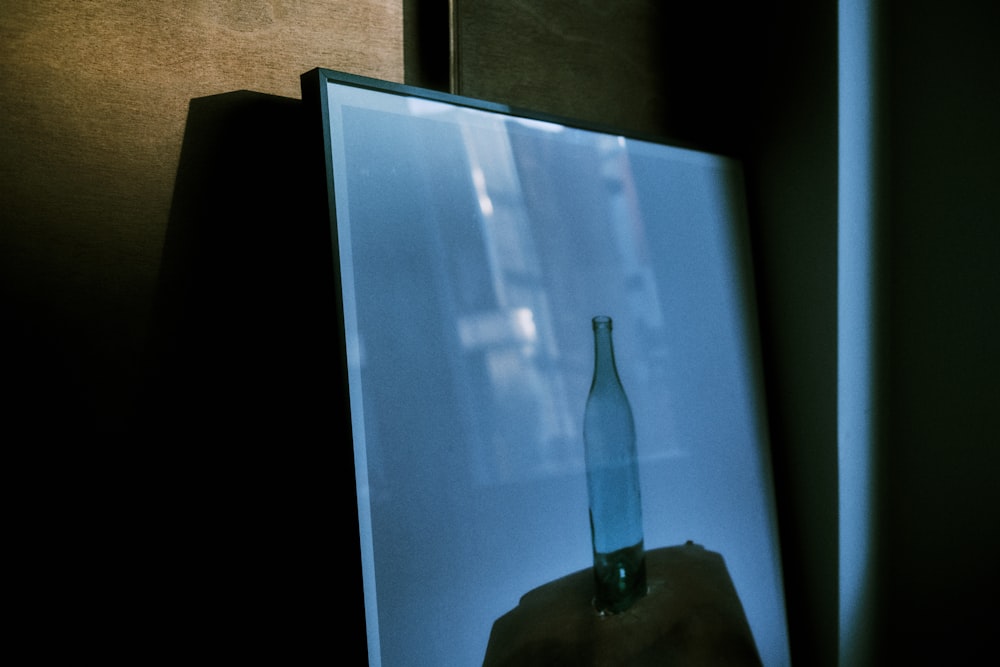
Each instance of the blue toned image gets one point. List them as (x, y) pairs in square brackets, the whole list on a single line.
[(475, 247)]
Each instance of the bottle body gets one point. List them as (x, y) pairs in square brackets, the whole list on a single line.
[(612, 483)]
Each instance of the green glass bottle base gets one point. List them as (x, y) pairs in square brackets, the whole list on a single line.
[(619, 578)]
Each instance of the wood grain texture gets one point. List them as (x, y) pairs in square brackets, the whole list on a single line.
[(595, 61), (93, 103), (687, 72)]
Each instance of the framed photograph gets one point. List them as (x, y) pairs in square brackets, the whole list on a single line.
[(473, 245)]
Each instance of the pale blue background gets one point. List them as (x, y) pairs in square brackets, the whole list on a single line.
[(474, 251)]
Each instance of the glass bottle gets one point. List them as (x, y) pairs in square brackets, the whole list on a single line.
[(612, 483)]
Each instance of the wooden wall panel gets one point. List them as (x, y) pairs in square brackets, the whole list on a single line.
[(93, 103), (589, 60), (685, 71)]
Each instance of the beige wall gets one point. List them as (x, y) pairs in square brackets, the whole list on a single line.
[(93, 103)]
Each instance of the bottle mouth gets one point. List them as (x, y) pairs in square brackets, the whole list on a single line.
[(602, 322)]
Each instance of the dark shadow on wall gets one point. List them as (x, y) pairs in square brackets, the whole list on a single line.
[(759, 82), (427, 43), (242, 327), (242, 418)]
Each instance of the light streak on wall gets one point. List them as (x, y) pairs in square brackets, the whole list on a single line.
[(857, 322)]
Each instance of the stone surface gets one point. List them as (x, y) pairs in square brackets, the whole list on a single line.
[(691, 616)]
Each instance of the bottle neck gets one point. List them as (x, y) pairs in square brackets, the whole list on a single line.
[(604, 352)]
